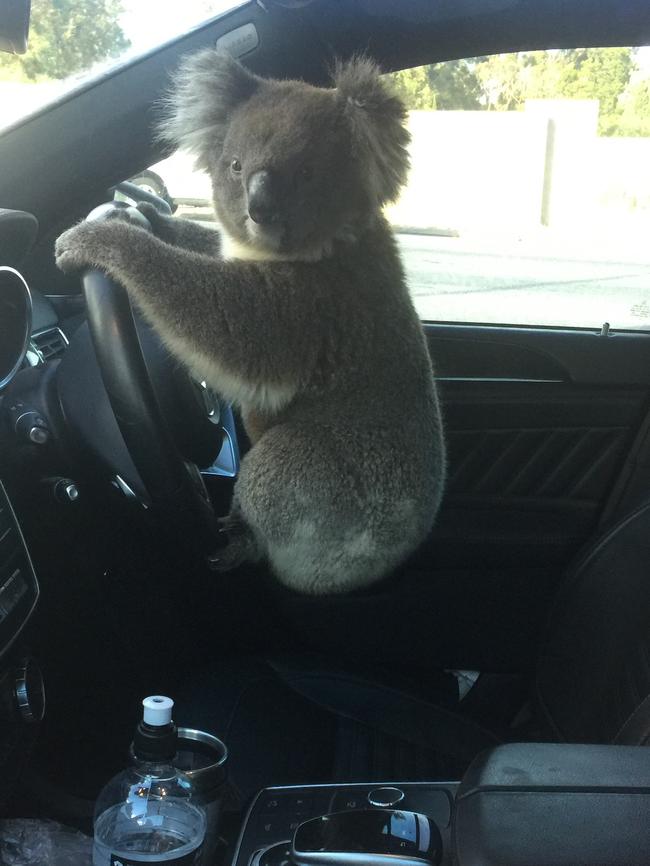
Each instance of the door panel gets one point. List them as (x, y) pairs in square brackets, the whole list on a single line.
[(539, 423)]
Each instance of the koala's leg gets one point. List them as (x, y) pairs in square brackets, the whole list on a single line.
[(184, 233), (325, 527)]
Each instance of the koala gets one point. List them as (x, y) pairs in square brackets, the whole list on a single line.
[(296, 311)]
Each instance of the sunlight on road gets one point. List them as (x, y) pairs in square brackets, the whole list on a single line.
[(526, 284)]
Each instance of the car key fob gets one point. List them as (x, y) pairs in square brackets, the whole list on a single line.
[(367, 837)]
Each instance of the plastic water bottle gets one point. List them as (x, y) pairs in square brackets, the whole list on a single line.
[(146, 813)]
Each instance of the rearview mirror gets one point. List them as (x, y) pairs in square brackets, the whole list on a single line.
[(14, 25)]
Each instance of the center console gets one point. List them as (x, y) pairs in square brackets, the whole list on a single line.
[(276, 814), (539, 804)]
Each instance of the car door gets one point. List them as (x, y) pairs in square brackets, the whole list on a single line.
[(522, 231)]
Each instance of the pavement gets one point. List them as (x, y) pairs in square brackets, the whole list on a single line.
[(535, 282)]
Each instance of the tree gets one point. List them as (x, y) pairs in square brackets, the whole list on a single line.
[(503, 82), (635, 116), (414, 88), (602, 74), (67, 36), (446, 86), (455, 85)]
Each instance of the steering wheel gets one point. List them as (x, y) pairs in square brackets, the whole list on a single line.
[(138, 409)]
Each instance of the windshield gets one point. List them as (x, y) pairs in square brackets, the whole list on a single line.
[(72, 41)]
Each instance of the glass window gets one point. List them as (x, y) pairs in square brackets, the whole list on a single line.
[(73, 41), (528, 200)]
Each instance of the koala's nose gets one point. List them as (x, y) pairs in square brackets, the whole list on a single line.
[(261, 203)]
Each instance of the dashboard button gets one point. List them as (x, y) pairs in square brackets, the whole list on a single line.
[(270, 826), (348, 800), (271, 804), (301, 805)]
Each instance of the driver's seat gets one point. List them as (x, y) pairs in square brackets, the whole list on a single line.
[(291, 721)]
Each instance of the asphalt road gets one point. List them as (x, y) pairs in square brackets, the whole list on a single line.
[(452, 279)]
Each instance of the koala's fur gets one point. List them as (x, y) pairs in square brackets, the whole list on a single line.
[(304, 321)]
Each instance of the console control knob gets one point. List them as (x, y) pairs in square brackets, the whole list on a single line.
[(369, 837), (274, 855), (384, 798), (38, 435), (29, 424), (66, 491), (29, 691)]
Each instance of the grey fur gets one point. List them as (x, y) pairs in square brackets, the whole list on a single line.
[(306, 323)]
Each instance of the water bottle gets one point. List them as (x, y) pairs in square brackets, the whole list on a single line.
[(146, 814)]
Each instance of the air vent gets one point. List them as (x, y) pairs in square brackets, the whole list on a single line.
[(50, 344)]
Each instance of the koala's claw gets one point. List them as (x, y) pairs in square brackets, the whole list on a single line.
[(240, 547), (102, 244), (73, 249), (234, 554), (149, 210), (160, 223), (232, 525)]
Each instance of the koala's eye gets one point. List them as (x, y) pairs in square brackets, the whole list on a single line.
[(306, 172), (235, 165)]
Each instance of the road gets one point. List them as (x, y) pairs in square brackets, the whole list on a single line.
[(452, 279)]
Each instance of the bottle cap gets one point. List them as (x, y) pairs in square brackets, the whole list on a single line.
[(157, 710)]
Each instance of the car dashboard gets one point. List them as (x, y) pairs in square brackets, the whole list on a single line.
[(31, 336)]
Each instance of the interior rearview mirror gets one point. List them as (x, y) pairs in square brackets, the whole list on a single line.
[(14, 25)]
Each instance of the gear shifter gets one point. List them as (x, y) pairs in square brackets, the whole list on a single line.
[(370, 837)]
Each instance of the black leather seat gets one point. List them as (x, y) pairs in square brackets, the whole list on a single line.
[(290, 721)]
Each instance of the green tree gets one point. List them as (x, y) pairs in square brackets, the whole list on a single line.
[(502, 81), (508, 80), (455, 85), (414, 88), (602, 74), (635, 116), (446, 86), (67, 36)]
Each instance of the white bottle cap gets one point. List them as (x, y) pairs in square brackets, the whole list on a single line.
[(157, 710)]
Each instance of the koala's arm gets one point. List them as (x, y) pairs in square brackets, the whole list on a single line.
[(183, 233), (260, 322)]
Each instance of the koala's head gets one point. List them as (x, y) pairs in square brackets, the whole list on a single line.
[(293, 167)]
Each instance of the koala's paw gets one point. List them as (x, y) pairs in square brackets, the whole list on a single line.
[(241, 546), (92, 245), (233, 524), (161, 224), (227, 558)]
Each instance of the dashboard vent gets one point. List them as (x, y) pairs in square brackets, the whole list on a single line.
[(50, 344)]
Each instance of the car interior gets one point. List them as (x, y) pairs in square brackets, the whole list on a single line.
[(498, 683)]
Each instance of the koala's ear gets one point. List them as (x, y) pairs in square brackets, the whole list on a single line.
[(378, 118), (207, 87)]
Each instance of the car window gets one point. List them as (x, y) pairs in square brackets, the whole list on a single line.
[(528, 200), (74, 41)]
